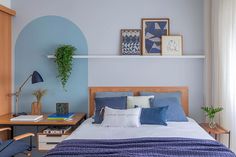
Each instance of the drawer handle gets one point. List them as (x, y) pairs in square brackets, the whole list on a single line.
[(50, 143)]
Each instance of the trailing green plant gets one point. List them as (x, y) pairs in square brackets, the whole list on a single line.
[(64, 60), (39, 94), (211, 111)]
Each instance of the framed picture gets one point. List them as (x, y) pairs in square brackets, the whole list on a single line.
[(172, 45), (152, 30), (62, 108), (130, 42)]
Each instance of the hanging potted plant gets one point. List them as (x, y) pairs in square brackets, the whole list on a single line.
[(211, 112), (64, 60), (37, 106)]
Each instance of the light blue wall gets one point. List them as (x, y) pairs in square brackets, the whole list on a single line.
[(38, 39), (101, 21)]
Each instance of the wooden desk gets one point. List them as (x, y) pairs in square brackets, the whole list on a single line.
[(77, 118), (216, 131)]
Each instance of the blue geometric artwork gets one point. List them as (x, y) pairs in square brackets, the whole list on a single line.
[(130, 42), (153, 30)]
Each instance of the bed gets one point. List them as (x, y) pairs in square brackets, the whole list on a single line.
[(176, 139)]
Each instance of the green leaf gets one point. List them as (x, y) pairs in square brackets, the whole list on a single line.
[(211, 111), (64, 60)]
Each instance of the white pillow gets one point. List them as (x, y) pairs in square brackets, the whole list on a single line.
[(121, 118), (141, 101)]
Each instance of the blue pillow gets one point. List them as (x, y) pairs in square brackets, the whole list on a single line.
[(175, 112), (112, 102), (161, 95), (154, 116), (113, 94)]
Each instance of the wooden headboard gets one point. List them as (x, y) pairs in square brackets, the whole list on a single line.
[(136, 90)]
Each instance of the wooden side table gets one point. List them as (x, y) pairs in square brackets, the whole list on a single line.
[(216, 131)]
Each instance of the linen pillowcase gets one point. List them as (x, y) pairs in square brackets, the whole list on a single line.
[(113, 102), (161, 95), (121, 118), (154, 116), (113, 94), (175, 112), (141, 101)]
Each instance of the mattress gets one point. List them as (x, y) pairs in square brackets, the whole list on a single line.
[(189, 129)]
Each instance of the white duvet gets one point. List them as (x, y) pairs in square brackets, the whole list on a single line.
[(189, 129)]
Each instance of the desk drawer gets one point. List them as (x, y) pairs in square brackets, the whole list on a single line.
[(51, 138), (47, 142), (46, 146)]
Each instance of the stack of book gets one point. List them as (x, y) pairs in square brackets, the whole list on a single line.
[(57, 130), (27, 118), (55, 116)]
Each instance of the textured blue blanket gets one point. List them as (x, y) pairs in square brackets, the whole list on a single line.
[(142, 147)]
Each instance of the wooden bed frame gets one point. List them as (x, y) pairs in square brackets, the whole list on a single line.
[(136, 90)]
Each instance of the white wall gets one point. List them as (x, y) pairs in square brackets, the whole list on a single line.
[(101, 22), (6, 3)]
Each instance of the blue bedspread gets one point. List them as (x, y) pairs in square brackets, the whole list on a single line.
[(142, 147)]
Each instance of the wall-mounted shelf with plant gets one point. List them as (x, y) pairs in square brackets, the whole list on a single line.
[(64, 60), (131, 57)]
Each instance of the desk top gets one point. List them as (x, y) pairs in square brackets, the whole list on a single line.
[(77, 118)]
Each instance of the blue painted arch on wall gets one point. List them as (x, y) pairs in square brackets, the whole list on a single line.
[(38, 39)]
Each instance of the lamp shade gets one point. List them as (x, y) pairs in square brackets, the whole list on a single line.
[(36, 77)]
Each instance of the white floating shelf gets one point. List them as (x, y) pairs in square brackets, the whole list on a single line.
[(132, 57)]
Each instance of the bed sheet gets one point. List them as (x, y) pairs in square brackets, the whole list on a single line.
[(189, 129)]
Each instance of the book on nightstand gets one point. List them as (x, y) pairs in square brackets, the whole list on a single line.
[(57, 130), (55, 116)]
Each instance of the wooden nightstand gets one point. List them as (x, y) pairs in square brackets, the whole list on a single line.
[(216, 131)]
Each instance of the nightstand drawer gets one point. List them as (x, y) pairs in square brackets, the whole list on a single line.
[(51, 138)]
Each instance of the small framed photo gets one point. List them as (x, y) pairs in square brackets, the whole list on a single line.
[(130, 42), (62, 108), (152, 31), (172, 45)]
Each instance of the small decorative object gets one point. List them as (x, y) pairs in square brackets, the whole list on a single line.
[(130, 42), (35, 78), (172, 45), (210, 112), (37, 106), (64, 60), (152, 31), (62, 108)]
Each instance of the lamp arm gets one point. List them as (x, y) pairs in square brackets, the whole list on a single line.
[(19, 90), (17, 94)]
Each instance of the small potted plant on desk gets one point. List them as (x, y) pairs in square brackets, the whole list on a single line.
[(211, 112), (37, 106)]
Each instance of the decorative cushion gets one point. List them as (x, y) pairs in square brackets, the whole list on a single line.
[(113, 94), (154, 116), (113, 102), (121, 118), (141, 101), (161, 95), (175, 112)]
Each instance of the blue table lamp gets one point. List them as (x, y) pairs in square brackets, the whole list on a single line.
[(35, 78)]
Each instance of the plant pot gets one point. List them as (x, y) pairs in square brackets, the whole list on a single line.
[(36, 108), (212, 123)]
